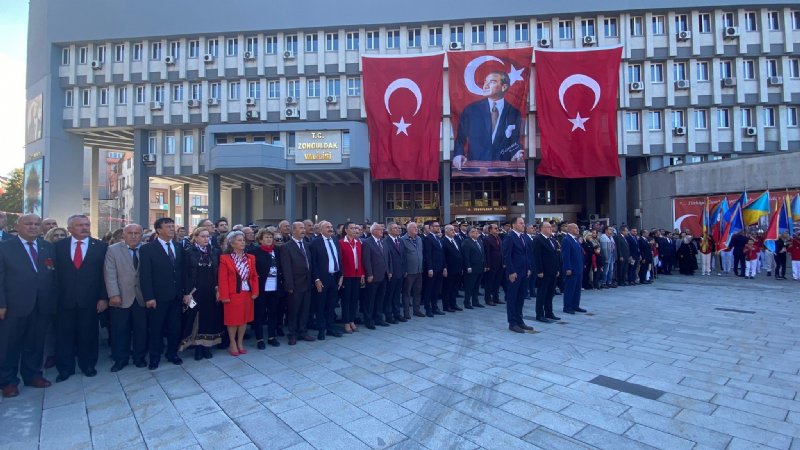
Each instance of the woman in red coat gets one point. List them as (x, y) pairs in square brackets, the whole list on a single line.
[(353, 272), (238, 288)]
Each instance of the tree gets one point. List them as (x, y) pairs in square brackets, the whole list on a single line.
[(11, 199)]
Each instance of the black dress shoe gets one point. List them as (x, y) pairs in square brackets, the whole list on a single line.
[(542, 319), (516, 329), (569, 311), (90, 372), (119, 365), (404, 319), (419, 314), (468, 307), (478, 305), (152, 365), (370, 326), (450, 310), (335, 333), (382, 324), (261, 345), (500, 302), (63, 377), (526, 327), (273, 342), (427, 314), (320, 336), (457, 308), (175, 360), (392, 321), (438, 313), (198, 354), (552, 317), (580, 310)]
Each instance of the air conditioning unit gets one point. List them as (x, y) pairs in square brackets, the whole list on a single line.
[(208, 58), (96, 65), (684, 35), (730, 33), (594, 216), (456, 46), (212, 102), (750, 131), (636, 86), (156, 106), (169, 60), (193, 103), (682, 84), (250, 101), (679, 131), (291, 100), (149, 158), (292, 113), (775, 81), (331, 99), (252, 115), (288, 55), (249, 56), (589, 40), (729, 82), (544, 43)]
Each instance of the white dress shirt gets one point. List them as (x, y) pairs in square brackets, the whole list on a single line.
[(332, 260)]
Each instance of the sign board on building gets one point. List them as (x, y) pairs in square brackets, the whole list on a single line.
[(318, 147)]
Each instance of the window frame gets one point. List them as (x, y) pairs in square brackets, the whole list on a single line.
[(520, 29), (565, 30), (500, 33), (352, 39), (611, 23)]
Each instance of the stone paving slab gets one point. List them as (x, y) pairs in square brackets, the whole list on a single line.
[(730, 380)]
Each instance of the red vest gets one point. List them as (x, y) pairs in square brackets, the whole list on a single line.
[(348, 263)]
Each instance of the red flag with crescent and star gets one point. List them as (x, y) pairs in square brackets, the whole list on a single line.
[(576, 109), (403, 99)]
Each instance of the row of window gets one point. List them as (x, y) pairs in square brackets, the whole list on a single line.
[(478, 34), (170, 141), (655, 119), (772, 68)]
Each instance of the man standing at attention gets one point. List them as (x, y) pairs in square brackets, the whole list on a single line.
[(515, 259), (547, 269), (572, 265)]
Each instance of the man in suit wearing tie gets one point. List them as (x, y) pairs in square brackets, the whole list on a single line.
[(546, 268), (530, 233), (435, 267), (161, 280), (126, 313), (474, 266), (412, 286), (455, 268), (623, 257), (397, 274), (515, 259), (572, 265), (79, 267), (376, 270), (4, 236), (633, 262), (297, 282), (28, 298), (326, 270), (492, 250)]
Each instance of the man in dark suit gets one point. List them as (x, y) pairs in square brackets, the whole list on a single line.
[(397, 274), (435, 269), (474, 266), (28, 297), (547, 269), (297, 281), (326, 270), (413, 247), (633, 262), (489, 129), (647, 257), (455, 268), (492, 250), (530, 234), (623, 256), (515, 259), (79, 267), (572, 266), (4, 236), (376, 269), (738, 241), (161, 280)]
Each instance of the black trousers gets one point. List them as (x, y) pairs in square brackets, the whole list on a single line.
[(738, 263), (471, 288), (780, 265), (22, 347), (77, 334), (450, 290), (431, 286), (545, 290), (492, 289), (393, 305), (325, 307), (299, 304), (126, 326), (643, 270), (621, 271), (373, 304), (164, 320)]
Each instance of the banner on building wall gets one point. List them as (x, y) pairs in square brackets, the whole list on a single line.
[(576, 110), (403, 100), (489, 110), (33, 119)]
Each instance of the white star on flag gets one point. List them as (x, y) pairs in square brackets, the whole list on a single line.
[(578, 122), (515, 74), (402, 126)]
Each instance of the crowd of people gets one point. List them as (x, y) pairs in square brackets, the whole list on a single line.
[(162, 291)]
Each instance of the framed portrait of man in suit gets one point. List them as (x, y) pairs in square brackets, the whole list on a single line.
[(33, 185), (33, 119)]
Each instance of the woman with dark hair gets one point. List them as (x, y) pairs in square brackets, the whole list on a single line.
[(353, 272), (687, 257), (238, 288), (271, 301), (202, 320)]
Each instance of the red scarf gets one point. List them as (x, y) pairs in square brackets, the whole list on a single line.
[(267, 248)]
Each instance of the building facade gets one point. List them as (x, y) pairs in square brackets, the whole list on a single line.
[(261, 107)]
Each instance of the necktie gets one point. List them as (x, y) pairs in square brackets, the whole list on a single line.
[(454, 243), (135, 258), (34, 256), (303, 249), (333, 255), (396, 244), (495, 116), (479, 246), (170, 253), (380, 244), (78, 259)]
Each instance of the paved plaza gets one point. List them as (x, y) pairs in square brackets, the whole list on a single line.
[(686, 363)]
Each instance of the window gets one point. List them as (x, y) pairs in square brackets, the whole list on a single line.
[(543, 30), (796, 20), (774, 20), (678, 119), (119, 53), (137, 52), (654, 120), (704, 22), (373, 40), (313, 88), (293, 88), (794, 68), (65, 56), (188, 142), (83, 55), (291, 44), (213, 91), (637, 27), (233, 90), (169, 146), (457, 34), (701, 69), (750, 21), (632, 121), (587, 27), (251, 45), (500, 33), (312, 43), (351, 40), (155, 51), (565, 29), (679, 71), (122, 96), (681, 23), (723, 118), (392, 38), (725, 69), (212, 47), (748, 70), (634, 73), (610, 27), (101, 53), (769, 117), (273, 89), (728, 19), (521, 33), (791, 116), (414, 38), (86, 97), (139, 94), (479, 34), (68, 98), (334, 87), (332, 42), (175, 49), (254, 89), (194, 49), (700, 119), (435, 37), (657, 73), (270, 45), (747, 117), (158, 93), (232, 47), (196, 91), (772, 68), (657, 25), (177, 93), (353, 87), (151, 142)]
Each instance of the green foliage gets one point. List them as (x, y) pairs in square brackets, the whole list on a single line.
[(11, 199)]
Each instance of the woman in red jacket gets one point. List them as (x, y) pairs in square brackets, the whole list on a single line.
[(353, 272), (794, 252), (238, 288)]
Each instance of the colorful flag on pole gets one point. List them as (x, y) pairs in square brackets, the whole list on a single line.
[(733, 226), (717, 218), (706, 223), (795, 209), (756, 209)]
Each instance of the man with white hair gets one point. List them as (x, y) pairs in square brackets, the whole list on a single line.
[(413, 253)]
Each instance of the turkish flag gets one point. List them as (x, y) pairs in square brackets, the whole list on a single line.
[(403, 99), (576, 107)]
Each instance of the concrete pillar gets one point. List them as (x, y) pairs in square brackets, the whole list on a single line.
[(618, 196), (214, 196), (530, 191), (247, 204), (445, 190), (141, 182), (367, 196), (94, 200), (591, 196), (291, 195), (187, 209)]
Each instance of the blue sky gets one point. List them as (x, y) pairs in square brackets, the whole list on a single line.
[(13, 34)]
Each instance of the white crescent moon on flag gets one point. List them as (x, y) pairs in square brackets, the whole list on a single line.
[(472, 67), (576, 79), (402, 83), (680, 220)]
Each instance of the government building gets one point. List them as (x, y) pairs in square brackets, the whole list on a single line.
[(256, 110)]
